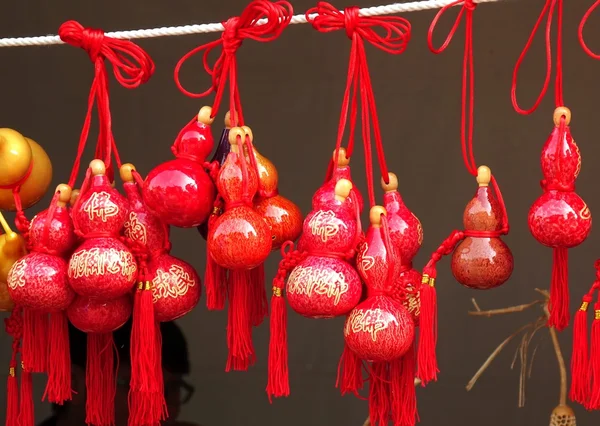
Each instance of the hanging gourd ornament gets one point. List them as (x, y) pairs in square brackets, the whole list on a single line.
[(482, 260), (380, 328), (12, 248), (180, 192), (282, 215), (240, 237), (24, 164), (406, 235), (324, 284), (102, 267), (340, 169), (175, 285), (559, 218), (38, 281)]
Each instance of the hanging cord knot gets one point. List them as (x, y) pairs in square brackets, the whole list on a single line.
[(13, 325), (470, 5), (351, 20), (262, 21), (393, 38), (132, 66), (231, 38)]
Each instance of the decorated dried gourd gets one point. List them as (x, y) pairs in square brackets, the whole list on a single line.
[(406, 234), (12, 248), (324, 284), (102, 271), (239, 241), (559, 218), (25, 166), (482, 260), (282, 215), (38, 282), (174, 284), (380, 330), (102, 267), (180, 192)]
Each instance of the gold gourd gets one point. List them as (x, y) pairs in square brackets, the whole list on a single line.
[(12, 248), (16, 156)]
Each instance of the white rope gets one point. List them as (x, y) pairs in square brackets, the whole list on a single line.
[(389, 9)]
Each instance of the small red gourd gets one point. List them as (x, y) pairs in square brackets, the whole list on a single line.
[(482, 262), (180, 192)]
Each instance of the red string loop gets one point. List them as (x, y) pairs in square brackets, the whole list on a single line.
[(550, 7), (393, 39), (261, 21), (131, 65), (580, 31)]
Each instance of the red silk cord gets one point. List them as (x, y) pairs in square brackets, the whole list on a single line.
[(393, 39), (131, 66), (237, 29), (468, 94), (584, 20), (550, 7)]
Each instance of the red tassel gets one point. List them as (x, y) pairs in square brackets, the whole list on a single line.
[(559, 290), (26, 414), (35, 341), (259, 304), (379, 394), (145, 395), (58, 388), (12, 397), (426, 357), (403, 396), (239, 330), (580, 385), (100, 380), (215, 276), (278, 384), (160, 406), (350, 373), (594, 401)]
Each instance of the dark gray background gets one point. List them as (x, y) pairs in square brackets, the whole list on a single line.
[(291, 91)]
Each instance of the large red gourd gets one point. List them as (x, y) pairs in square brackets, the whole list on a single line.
[(380, 329), (102, 271), (38, 283), (482, 261), (180, 192), (325, 284)]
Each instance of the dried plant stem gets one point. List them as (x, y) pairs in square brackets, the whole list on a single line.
[(493, 356), (509, 310), (561, 366)]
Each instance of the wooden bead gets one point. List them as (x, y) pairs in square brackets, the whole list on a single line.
[(484, 175), (205, 115), (562, 112), (98, 167), (342, 159), (248, 132), (375, 215), (234, 134), (342, 189), (64, 194), (392, 185), (126, 172)]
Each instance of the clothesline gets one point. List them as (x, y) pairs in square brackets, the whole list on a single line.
[(389, 9)]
